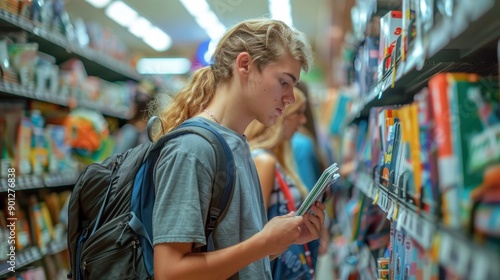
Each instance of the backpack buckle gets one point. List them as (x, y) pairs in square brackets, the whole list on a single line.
[(213, 216)]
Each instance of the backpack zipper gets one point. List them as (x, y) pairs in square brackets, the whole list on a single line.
[(133, 244), (118, 241), (81, 240), (106, 197), (134, 256)]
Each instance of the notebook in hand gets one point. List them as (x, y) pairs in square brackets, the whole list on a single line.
[(329, 176)]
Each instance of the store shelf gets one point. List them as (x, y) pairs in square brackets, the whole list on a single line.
[(457, 252), (22, 258), (30, 182), (59, 180), (19, 90), (55, 44), (466, 42), (30, 255)]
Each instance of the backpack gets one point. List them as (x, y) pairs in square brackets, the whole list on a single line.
[(110, 208)]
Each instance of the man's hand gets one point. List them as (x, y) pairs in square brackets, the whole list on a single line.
[(313, 223), (281, 232)]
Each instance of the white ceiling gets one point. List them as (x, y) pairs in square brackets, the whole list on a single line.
[(311, 17)]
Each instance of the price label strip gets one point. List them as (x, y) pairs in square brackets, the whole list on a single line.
[(329, 176), (400, 220), (371, 190), (390, 212)]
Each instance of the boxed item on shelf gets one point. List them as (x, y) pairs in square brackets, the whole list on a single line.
[(42, 227), (23, 59), (4, 235), (39, 153), (408, 25), (371, 53), (467, 118), (425, 16), (47, 75), (59, 156), (6, 72), (390, 30), (11, 6), (23, 233), (23, 146), (10, 118), (429, 169)]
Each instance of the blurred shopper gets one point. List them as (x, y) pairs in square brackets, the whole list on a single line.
[(134, 133), (281, 186)]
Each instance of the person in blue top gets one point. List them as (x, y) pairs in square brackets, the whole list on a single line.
[(305, 147)]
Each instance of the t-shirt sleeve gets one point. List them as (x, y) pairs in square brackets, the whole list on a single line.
[(183, 190)]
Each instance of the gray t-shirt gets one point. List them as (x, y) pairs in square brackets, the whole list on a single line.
[(184, 176)]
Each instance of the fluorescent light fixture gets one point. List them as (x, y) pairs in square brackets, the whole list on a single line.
[(121, 13), (205, 17), (139, 27), (196, 7), (142, 28), (98, 3), (281, 10), (163, 65), (210, 22), (157, 39), (211, 49)]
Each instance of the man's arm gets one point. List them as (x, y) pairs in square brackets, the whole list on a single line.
[(176, 261)]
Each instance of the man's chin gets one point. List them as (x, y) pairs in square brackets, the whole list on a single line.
[(271, 121)]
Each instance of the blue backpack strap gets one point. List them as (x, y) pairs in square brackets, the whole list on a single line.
[(143, 193), (223, 184)]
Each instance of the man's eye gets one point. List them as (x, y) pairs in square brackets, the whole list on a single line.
[(283, 83)]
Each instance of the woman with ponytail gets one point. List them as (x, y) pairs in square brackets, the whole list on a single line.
[(282, 188), (254, 70)]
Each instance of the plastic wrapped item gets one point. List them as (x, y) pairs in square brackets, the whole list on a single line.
[(87, 134), (23, 59), (390, 30)]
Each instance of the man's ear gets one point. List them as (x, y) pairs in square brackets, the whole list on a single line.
[(243, 62)]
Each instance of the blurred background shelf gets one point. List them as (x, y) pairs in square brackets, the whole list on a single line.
[(55, 44), (20, 91), (465, 42), (458, 252)]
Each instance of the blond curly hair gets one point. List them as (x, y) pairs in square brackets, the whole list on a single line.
[(267, 41)]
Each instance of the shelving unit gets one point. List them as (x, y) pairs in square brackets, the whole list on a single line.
[(23, 258), (30, 182), (457, 251), (462, 43), (467, 42), (96, 63), (19, 90), (30, 255), (55, 44)]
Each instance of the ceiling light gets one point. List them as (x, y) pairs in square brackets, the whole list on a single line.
[(205, 17), (210, 51), (139, 27), (212, 26), (98, 3), (163, 65), (196, 7), (157, 39), (281, 10), (121, 13)]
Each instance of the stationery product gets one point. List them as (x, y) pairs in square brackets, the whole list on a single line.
[(329, 176)]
